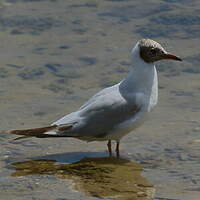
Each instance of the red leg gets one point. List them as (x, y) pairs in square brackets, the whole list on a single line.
[(117, 150), (109, 148)]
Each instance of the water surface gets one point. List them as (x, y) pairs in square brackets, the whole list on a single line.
[(55, 54)]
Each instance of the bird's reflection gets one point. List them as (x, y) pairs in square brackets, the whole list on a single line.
[(100, 176)]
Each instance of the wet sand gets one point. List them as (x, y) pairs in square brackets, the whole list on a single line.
[(55, 54)]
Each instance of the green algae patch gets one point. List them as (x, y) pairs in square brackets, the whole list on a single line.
[(98, 177)]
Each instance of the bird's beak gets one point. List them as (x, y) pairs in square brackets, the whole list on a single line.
[(171, 56)]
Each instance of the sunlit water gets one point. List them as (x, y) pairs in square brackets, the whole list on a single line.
[(55, 54)]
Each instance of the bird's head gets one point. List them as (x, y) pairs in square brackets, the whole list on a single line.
[(151, 51)]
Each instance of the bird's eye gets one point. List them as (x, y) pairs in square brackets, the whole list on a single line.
[(153, 51)]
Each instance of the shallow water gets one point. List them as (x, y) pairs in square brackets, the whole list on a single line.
[(97, 177), (55, 54)]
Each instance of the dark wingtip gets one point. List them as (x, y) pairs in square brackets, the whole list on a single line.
[(22, 137), (179, 59), (15, 132)]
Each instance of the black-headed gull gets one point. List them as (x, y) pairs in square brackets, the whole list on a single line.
[(117, 110)]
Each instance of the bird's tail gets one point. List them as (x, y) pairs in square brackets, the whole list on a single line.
[(49, 131)]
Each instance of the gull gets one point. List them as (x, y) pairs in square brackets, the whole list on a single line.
[(117, 110)]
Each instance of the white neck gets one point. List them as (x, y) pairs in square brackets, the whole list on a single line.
[(143, 75)]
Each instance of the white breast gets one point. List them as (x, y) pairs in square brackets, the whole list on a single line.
[(152, 97), (142, 83)]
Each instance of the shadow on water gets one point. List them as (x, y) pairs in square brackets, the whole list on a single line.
[(71, 157), (97, 176)]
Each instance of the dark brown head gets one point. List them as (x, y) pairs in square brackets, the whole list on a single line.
[(151, 51)]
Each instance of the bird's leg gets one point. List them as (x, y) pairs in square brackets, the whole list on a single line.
[(109, 148), (117, 150)]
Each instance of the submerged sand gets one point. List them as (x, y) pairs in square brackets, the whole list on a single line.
[(97, 177)]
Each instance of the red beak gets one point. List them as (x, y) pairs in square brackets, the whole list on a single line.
[(171, 56)]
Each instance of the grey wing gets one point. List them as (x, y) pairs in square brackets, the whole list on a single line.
[(100, 114)]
